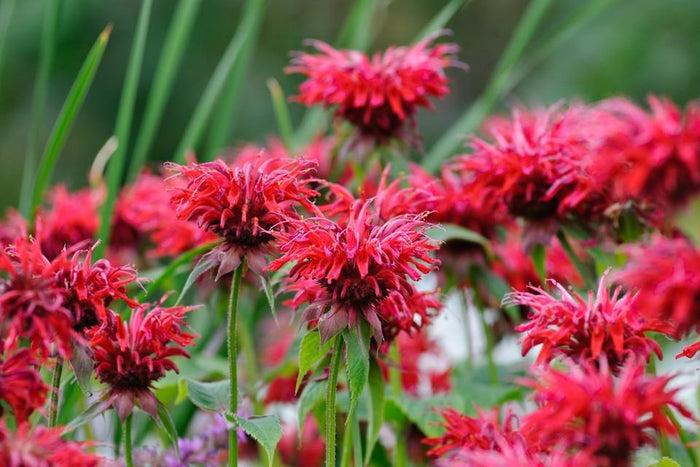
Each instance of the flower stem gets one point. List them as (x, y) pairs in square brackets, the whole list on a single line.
[(55, 392), (488, 331), (330, 400), (232, 361), (664, 445), (683, 435), (348, 441), (400, 455), (127, 442), (583, 270)]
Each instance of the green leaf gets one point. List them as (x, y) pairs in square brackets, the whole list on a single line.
[(204, 264), (82, 365), (210, 396), (447, 232), (165, 421), (355, 33), (6, 8), (65, 119), (441, 19), (96, 408), (497, 288), (498, 84), (266, 430), (284, 120), (164, 77), (311, 396), (377, 392), (356, 362), (539, 259), (122, 129), (205, 106), (310, 352), (665, 462), (269, 295), (423, 412)]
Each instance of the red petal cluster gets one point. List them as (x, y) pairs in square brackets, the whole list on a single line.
[(607, 326), (375, 94), (243, 204), (587, 409), (130, 356), (357, 270), (21, 386), (42, 446)]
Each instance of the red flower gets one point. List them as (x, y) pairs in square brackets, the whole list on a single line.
[(359, 270), (378, 94), (129, 357), (12, 228), (21, 386), (73, 217), (605, 325), (306, 450), (651, 157), (667, 275), (537, 164), (42, 446), (243, 204), (587, 409)]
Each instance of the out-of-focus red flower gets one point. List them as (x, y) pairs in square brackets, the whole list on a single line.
[(309, 452), (21, 386), (42, 446), (651, 157), (243, 205), (605, 325), (472, 433), (14, 226), (71, 219), (130, 356), (359, 270), (378, 94), (536, 164), (667, 275), (587, 409)]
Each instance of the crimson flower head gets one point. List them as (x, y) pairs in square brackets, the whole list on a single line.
[(130, 356), (607, 326), (587, 409), (21, 386), (243, 204), (357, 270), (375, 94), (14, 226)]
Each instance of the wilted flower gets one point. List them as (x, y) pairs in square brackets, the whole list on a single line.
[(605, 325), (130, 356), (378, 94), (41, 446), (21, 386), (587, 409), (359, 270), (243, 205)]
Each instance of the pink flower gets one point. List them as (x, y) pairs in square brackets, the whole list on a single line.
[(21, 386), (359, 270), (130, 356), (243, 205), (378, 94), (605, 325)]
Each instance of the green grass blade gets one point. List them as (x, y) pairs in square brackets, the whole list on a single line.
[(65, 119), (41, 86), (125, 114), (227, 112), (495, 89), (441, 19), (205, 106), (5, 14), (168, 64), (284, 121)]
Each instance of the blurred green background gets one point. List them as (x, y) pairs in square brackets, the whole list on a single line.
[(634, 47)]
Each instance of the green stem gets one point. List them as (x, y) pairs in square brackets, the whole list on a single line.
[(664, 445), (539, 259), (232, 361), (55, 392), (347, 441), (400, 454), (127, 442), (488, 332), (580, 266), (330, 400), (685, 438)]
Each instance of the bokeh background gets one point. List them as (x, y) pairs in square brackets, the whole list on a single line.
[(634, 47)]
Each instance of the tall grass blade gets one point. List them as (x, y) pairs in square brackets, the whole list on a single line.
[(66, 117), (6, 8), (205, 106), (495, 89), (441, 19), (284, 121), (168, 64), (125, 114), (227, 112), (41, 86)]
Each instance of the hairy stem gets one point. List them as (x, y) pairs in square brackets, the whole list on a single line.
[(232, 361), (400, 454), (330, 400), (55, 392)]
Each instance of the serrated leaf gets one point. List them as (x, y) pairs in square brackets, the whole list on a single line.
[(210, 396), (446, 232), (166, 423), (266, 430), (312, 394), (82, 366), (95, 409), (377, 391), (665, 462), (204, 264), (356, 362), (310, 352), (269, 294)]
